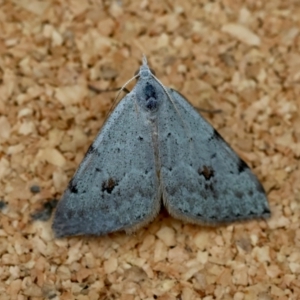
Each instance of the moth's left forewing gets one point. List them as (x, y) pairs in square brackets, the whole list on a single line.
[(203, 179), (116, 186)]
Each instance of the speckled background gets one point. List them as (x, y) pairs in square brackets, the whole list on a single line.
[(242, 57)]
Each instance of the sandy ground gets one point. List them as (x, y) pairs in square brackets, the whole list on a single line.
[(242, 57)]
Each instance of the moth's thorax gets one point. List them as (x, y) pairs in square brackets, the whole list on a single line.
[(149, 93)]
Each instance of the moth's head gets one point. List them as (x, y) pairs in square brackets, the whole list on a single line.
[(144, 72), (137, 72)]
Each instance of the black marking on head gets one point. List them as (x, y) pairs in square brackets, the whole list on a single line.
[(150, 96), (242, 166), (149, 91), (72, 187), (44, 214), (207, 172), (109, 185)]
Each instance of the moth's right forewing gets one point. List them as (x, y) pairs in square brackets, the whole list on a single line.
[(203, 179)]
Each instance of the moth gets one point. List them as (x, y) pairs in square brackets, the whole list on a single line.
[(155, 149)]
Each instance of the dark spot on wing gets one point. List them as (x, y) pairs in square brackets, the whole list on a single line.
[(70, 214), (239, 194), (80, 213), (213, 155), (266, 211), (252, 213), (216, 135), (242, 166), (203, 194), (109, 185), (140, 138), (98, 170), (45, 212), (173, 90), (105, 208), (210, 189), (140, 217), (91, 150), (206, 171), (72, 187), (169, 134), (238, 215)]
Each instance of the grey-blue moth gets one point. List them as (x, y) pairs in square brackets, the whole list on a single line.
[(155, 149)]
